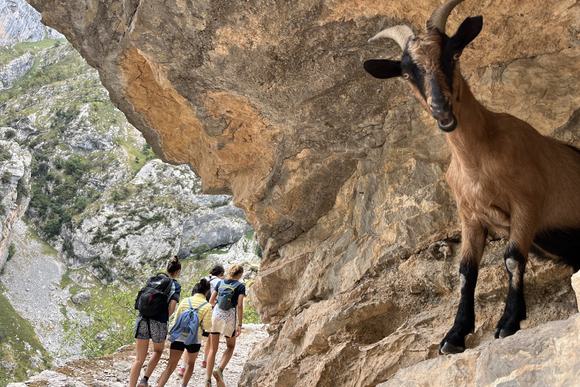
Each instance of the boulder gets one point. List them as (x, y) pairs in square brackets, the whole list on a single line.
[(208, 228), (14, 70), (576, 286), (544, 356), (81, 297)]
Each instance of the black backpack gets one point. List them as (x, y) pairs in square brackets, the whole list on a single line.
[(153, 299)]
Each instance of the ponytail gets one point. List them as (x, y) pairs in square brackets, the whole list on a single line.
[(174, 265)]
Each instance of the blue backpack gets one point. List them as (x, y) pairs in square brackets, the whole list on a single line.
[(186, 327)]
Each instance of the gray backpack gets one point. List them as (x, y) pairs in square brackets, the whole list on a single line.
[(226, 292)]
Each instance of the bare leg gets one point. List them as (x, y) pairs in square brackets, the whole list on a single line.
[(141, 347), (214, 344), (473, 236), (174, 356), (157, 352), (206, 349), (190, 361), (231, 345)]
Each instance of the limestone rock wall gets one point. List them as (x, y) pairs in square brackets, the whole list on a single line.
[(340, 175), (14, 192), (20, 23)]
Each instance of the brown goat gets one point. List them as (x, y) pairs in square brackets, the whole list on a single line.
[(505, 176)]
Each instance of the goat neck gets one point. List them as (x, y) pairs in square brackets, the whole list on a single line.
[(471, 137)]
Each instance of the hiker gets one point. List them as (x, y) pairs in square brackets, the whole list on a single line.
[(155, 302), (193, 314), (215, 275), (228, 300)]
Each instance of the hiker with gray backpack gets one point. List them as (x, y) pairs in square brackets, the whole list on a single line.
[(191, 317), (227, 299), (155, 302)]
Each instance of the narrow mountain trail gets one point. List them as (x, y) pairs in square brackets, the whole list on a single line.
[(113, 370)]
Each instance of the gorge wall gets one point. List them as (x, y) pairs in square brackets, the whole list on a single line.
[(340, 175)]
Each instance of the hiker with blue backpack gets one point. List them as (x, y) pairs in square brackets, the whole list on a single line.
[(227, 299), (192, 316), (155, 303), (215, 275)]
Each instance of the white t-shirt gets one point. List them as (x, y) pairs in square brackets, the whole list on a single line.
[(213, 281)]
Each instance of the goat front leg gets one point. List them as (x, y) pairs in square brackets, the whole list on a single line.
[(473, 236), (522, 231)]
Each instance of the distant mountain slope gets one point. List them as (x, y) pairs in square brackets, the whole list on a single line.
[(19, 22)]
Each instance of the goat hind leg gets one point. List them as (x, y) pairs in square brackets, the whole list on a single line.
[(515, 306), (473, 242)]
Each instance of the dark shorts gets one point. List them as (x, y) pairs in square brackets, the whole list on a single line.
[(146, 329), (180, 346)]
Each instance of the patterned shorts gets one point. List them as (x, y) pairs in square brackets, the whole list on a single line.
[(150, 329), (223, 321)]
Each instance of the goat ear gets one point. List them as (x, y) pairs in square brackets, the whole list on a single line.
[(383, 68), (467, 31)]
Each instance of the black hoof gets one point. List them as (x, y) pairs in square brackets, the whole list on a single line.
[(500, 333), (446, 348)]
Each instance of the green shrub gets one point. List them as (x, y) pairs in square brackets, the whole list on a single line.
[(4, 154), (6, 177), (60, 192), (113, 316), (251, 316), (19, 344), (11, 251), (9, 134)]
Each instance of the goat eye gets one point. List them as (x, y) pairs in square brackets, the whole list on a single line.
[(406, 75), (456, 56)]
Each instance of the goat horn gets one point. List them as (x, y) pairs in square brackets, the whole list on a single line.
[(400, 34), (439, 17)]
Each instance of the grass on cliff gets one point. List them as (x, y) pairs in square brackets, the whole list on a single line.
[(9, 53), (136, 157), (20, 349), (70, 65)]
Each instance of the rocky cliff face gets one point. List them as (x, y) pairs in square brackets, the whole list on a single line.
[(14, 192), (341, 175), (20, 23)]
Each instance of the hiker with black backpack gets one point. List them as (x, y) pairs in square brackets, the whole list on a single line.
[(228, 300), (155, 303), (191, 317)]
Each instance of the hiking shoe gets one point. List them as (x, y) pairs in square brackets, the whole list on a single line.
[(181, 371), (218, 374), (143, 383)]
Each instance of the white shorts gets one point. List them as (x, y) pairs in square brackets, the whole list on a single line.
[(223, 321)]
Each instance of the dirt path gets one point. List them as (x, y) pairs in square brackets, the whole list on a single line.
[(113, 370)]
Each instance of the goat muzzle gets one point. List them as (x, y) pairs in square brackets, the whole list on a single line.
[(445, 120)]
